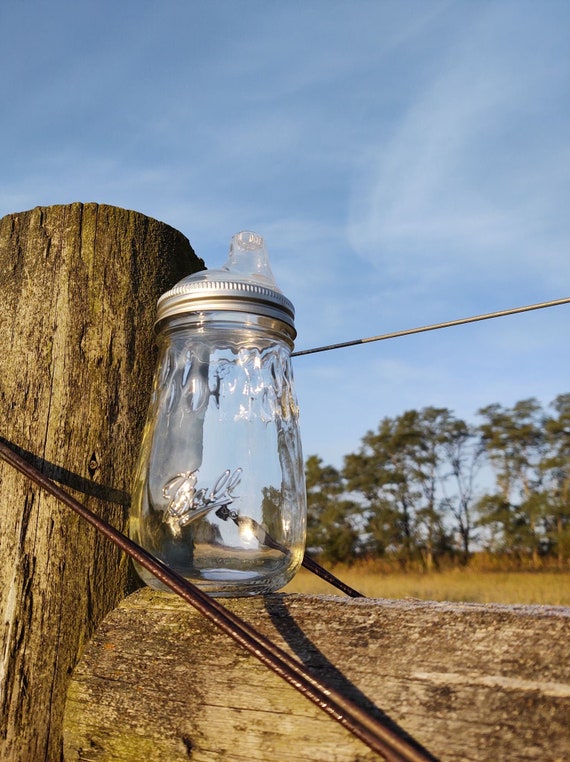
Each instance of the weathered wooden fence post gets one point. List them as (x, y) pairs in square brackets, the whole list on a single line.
[(78, 286)]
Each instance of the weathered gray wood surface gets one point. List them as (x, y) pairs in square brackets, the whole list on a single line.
[(469, 682), (78, 288)]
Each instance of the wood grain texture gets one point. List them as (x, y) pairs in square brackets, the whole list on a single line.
[(468, 682), (78, 286)]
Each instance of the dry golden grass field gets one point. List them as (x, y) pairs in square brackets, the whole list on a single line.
[(523, 587)]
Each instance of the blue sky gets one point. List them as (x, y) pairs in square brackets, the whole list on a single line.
[(407, 162)]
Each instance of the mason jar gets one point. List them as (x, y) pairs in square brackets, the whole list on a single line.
[(219, 492)]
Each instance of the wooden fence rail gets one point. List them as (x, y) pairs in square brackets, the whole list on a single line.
[(467, 681)]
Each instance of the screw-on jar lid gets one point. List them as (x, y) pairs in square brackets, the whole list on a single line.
[(244, 283)]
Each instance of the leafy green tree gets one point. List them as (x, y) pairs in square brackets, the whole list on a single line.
[(382, 472), (397, 471), (556, 466), (412, 486), (463, 457), (515, 441), (331, 530), (434, 428)]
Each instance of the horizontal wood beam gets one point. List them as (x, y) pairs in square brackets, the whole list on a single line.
[(467, 681)]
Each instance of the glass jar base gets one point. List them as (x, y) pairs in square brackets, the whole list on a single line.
[(227, 583)]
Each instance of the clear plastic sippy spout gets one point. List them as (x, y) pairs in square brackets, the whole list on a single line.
[(249, 259), (245, 282)]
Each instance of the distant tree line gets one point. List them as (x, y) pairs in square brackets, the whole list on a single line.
[(427, 486)]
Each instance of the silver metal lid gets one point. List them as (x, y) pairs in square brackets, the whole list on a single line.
[(244, 283)]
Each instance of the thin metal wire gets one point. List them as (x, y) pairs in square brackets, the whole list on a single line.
[(372, 731), (434, 327), (329, 577)]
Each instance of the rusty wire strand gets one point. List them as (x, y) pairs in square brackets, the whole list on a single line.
[(377, 735), (314, 567), (265, 538)]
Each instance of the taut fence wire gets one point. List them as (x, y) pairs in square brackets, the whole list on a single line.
[(434, 327)]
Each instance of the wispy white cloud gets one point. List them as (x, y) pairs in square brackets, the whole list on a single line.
[(463, 180)]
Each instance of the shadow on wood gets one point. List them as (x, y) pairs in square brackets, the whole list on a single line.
[(78, 286), (469, 682)]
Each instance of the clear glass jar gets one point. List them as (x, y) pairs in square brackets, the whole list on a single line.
[(219, 492)]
